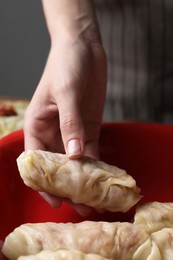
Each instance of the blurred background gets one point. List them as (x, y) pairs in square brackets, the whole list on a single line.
[(138, 39), (24, 46)]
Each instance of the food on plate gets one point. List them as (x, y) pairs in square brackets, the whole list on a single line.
[(62, 254), (7, 110), (155, 216), (11, 115), (93, 183), (110, 240)]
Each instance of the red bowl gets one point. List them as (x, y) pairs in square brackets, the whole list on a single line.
[(145, 150)]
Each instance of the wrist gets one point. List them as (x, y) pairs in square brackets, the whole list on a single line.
[(87, 31), (67, 20)]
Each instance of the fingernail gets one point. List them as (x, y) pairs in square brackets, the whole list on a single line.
[(73, 148)]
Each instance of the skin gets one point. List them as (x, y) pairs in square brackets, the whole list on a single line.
[(66, 109), (2, 257)]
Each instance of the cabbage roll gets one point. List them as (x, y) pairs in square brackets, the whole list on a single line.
[(155, 216), (164, 240), (111, 240), (148, 251), (62, 255), (87, 181)]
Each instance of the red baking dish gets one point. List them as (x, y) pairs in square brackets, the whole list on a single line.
[(145, 150)]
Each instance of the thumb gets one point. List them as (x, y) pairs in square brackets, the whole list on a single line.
[(72, 129)]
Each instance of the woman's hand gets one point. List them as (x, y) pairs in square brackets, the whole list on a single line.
[(65, 112), (66, 109)]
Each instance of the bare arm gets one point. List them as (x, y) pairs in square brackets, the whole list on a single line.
[(72, 17)]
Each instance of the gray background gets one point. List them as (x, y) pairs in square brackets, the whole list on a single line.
[(24, 46)]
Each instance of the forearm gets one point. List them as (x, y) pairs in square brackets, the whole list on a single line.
[(71, 17)]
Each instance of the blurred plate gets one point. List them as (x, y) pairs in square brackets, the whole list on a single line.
[(144, 150), (11, 114)]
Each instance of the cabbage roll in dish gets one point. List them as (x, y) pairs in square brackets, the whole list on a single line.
[(62, 254), (110, 240)]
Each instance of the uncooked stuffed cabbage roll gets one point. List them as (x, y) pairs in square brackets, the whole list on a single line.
[(62, 254), (87, 181), (155, 216), (111, 240)]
